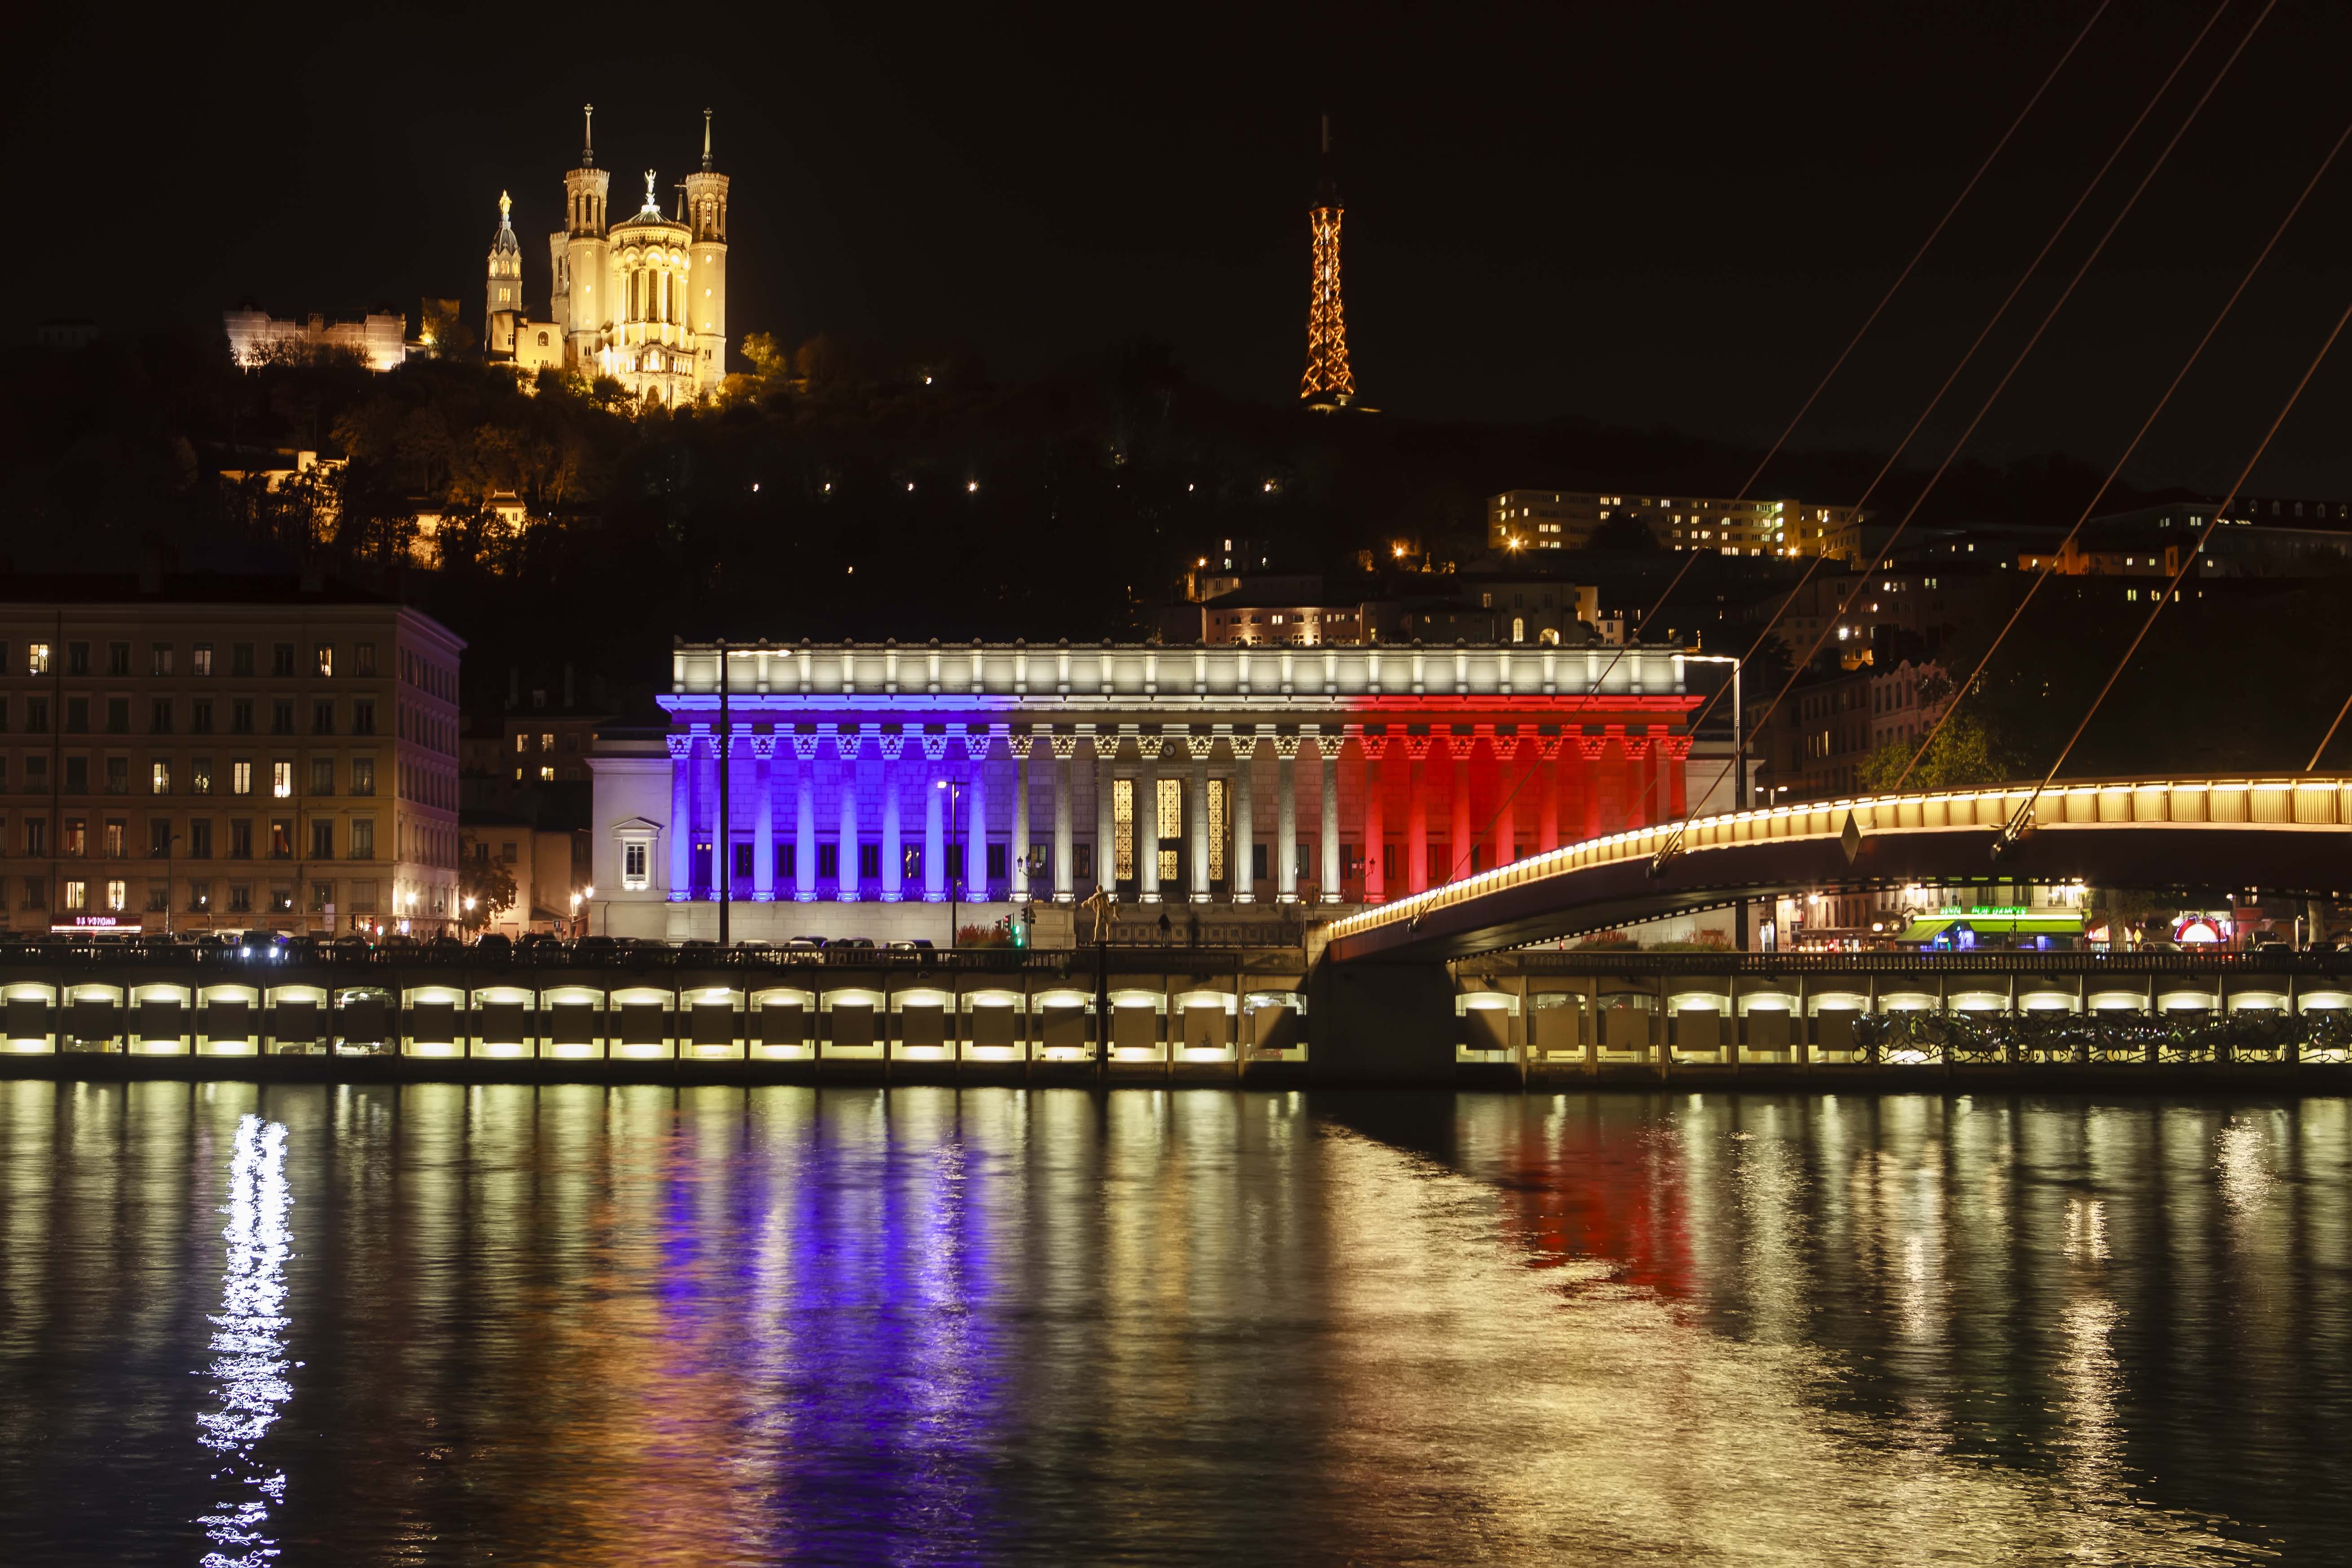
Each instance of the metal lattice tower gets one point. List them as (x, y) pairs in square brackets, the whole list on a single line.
[(1328, 382)]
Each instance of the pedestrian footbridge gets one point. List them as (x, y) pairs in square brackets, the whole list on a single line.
[(2289, 834)]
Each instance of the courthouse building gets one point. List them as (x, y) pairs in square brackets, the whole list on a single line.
[(879, 781)]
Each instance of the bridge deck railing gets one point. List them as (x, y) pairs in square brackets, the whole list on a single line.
[(2284, 801)]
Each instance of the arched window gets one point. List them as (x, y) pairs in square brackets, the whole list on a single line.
[(1519, 628), (542, 340)]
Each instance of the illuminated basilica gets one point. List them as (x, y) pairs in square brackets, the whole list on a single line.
[(643, 300)]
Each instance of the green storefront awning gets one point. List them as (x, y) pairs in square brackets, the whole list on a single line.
[(1994, 925)]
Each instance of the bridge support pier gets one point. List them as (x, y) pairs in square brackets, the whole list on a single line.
[(1382, 1023)]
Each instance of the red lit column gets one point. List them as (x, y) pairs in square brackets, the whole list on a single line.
[(1458, 857), (1677, 753), (1416, 815), (1637, 779), (1506, 798), (1376, 888), (1547, 818), (1590, 749)]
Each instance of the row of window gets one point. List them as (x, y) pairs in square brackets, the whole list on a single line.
[(204, 714), (162, 658), (196, 776), (201, 896), (239, 838), (165, 840)]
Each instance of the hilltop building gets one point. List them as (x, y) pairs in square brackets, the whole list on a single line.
[(643, 300)]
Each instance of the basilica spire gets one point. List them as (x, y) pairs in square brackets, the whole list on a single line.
[(588, 137), (706, 141)]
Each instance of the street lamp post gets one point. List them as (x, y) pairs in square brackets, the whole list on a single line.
[(951, 849)]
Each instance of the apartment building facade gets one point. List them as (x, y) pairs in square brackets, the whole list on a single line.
[(1567, 519), (224, 752)]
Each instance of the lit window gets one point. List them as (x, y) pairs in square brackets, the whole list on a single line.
[(281, 779)]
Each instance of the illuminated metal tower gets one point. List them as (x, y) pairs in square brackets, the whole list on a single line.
[(1328, 382)]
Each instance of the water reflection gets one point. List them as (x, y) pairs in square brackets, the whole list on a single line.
[(717, 1326), (248, 1343)]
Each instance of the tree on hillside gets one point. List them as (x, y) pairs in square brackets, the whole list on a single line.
[(1626, 532)]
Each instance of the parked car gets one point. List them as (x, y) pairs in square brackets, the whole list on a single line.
[(911, 944), (596, 948), (494, 946)]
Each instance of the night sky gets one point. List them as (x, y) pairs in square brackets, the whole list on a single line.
[(1635, 215)]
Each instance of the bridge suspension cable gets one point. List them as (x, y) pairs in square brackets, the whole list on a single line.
[(2313, 766), (1754, 474), (1960, 692), (2024, 817), (1673, 844)]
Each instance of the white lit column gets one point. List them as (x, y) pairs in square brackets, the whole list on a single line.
[(1106, 821), (681, 816), (805, 819), (846, 856), (1286, 818), (1326, 826), (1242, 870), (894, 860), (1066, 873), (1199, 807), (1017, 889), (1147, 825), (763, 822)]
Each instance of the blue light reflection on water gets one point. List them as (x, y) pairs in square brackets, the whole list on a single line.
[(249, 1366), (895, 1355)]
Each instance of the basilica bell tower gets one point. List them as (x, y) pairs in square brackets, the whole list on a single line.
[(705, 216)]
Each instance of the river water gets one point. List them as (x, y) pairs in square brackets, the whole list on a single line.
[(577, 1325)]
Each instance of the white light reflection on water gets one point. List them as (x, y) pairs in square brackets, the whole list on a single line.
[(248, 1345)]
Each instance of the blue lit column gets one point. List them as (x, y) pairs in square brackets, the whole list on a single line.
[(975, 806), (763, 822), (893, 858), (935, 802), (1065, 882), (1017, 888), (805, 819), (681, 815), (846, 856)]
